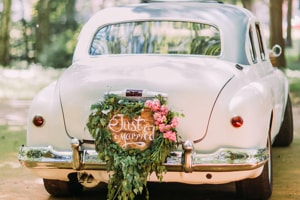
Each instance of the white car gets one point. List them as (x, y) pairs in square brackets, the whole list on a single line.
[(206, 61)]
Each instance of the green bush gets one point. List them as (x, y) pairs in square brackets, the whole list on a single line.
[(295, 90), (59, 53)]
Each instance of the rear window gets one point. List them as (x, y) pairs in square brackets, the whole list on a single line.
[(157, 37)]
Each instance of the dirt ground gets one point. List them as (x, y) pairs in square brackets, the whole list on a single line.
[(18, 183)]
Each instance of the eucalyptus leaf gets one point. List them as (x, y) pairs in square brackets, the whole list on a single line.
[(108, 110), (103, 122)]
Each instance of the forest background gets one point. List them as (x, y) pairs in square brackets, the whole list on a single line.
[(46, 31)]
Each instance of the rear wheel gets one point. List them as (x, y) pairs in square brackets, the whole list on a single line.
[(257, 188), (63, 188), (286, 132)]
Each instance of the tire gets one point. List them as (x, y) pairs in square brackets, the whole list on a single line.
[(286, 132), (259, 188), (60, 188)]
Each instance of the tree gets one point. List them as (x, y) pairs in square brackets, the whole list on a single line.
[(70, 15), (56, 34), (289, 24), (24, 30), (4, 33), (276, 36), (43, 25)]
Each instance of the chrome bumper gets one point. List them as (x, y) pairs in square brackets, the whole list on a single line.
[(187, 160)]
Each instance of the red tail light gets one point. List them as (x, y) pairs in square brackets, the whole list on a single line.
[(38, 120), (237, 121)]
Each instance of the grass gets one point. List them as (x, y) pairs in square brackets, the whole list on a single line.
[(295, 90), (11, 138), (292, 55)]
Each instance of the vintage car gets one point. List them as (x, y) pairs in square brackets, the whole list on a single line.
[(208, 60)]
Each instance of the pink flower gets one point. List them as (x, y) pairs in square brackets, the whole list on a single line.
[(164, 109), (173, 137), (174, 122), (170, 135), (163, 124), (161, 127), (159, 118), (148, 104), (155, 105), (168, 127)]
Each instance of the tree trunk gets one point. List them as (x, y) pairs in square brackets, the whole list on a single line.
[(289, 42), (43, 26), (276, 29), (247, 4), (25, 36), (4, 33)]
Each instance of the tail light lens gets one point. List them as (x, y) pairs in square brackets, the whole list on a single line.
[(38, 120), (237, 121)]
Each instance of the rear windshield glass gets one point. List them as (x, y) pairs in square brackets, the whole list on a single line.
[(157, 37)]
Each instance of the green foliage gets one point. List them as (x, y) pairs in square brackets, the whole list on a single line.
[(129, 168), (295, 90), (59, 53), (292, 55), (295, 85)]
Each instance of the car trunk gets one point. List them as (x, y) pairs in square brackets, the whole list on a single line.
[(191, 84)]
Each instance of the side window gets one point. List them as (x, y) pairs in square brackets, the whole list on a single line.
[(252, 46), (260, 42)]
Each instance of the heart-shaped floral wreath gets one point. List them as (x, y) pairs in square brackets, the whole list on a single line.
[(130, 167)]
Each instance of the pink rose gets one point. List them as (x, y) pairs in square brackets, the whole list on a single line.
[(164, 109), (174, 122), (155, 105), (148, 104), (170, 135), (166, 135), (161, 127), (159, 118), (168, 127)]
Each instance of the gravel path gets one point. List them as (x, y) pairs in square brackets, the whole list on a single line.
[(13, 112)]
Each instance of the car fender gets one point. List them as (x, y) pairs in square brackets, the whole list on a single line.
[(46, 104), (256, 114)]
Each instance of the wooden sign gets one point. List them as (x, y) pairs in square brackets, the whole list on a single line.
[(136, 133)]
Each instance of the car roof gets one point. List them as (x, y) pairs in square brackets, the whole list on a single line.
[(232, 21), (189, 10)]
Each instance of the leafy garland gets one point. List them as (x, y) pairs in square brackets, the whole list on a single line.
[(131, 167)]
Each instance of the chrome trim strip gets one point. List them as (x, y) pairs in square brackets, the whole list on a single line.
[(222, 160)]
